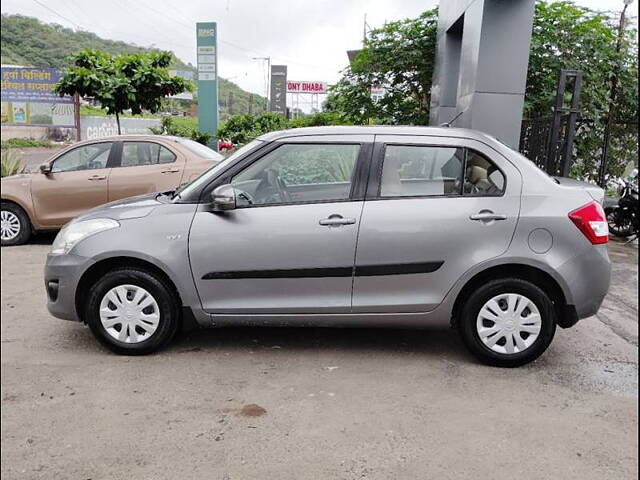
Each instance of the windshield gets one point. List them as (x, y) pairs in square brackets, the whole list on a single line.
[(187, 188), (200, 150)]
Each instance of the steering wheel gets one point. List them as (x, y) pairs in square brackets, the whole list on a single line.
[(246, 196), (271, 186), (282, 189)]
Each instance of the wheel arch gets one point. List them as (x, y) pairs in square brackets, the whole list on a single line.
[(565, 313), (103, 266), (22, 206)]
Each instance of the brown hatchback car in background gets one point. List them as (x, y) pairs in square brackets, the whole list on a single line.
[(94, 172)]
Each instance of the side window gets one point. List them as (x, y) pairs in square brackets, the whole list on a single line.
[(136, 154), (298, 173), (413, 170), (87, 157), (481, 176)]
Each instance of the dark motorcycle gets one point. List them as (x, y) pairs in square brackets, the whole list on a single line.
[(622, 213)]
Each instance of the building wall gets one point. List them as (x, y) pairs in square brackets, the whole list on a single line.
[(90, 127), (481, 65)]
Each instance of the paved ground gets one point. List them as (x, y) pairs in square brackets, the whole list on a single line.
[(33, 157), (313, 403)]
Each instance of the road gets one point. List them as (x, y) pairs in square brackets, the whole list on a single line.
[(33, 157), (252, 403)]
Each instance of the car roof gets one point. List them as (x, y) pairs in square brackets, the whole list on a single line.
[(116, 138), (378, 130)]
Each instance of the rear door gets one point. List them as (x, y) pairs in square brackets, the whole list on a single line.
[(144, 167), (435, 207), (77, 182)]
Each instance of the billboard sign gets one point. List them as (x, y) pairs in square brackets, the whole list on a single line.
[(28, 98), (279, 89), (207, 45), (294, 86), (377, 93)]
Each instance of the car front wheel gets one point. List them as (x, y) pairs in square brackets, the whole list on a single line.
[(507, 322), (15, 227), (132, 311)]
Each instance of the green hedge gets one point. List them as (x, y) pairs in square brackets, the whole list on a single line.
[(241, 129)]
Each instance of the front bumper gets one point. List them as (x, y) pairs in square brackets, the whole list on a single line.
[(61, 276)]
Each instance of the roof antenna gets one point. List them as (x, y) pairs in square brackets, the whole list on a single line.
[(450, 122)]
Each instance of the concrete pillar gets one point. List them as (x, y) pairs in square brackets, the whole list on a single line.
[(481, 65)]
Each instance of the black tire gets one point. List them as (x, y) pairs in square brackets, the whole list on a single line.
[(620, 227), (469, 313), (25, 224), (166, 298)]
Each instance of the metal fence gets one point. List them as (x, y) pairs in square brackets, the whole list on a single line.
[(536, 143)]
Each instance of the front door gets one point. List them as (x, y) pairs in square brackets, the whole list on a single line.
[(144, 167), (289, 246), (437, 208), (77, 182)]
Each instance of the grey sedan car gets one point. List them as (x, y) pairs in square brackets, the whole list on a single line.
[(344, 226)]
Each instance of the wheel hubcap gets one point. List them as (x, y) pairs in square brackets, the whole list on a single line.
[(129, 313), (9, 225), (509, 323)]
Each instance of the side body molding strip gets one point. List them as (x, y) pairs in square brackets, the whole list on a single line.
[(360, 271)]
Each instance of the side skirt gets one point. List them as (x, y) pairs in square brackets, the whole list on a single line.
[(388, 320)]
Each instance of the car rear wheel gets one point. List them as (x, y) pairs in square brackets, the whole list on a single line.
[(132, 311), (507, 322)]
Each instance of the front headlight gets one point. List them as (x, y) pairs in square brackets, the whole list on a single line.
[(70, 235)]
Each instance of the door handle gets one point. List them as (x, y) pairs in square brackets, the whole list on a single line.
[(336, 221), (171, 170), (97, 177), (487, 216)]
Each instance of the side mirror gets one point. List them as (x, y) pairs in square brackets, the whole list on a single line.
[(45, 168), (223, 198)]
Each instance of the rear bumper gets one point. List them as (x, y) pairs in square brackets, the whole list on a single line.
[(61, 276), (588, 276)]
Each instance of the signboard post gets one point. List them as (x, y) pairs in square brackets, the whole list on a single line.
[(207, 45), (279, 89)]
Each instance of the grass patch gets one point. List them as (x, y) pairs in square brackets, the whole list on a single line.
[(92, 111), (26, 143)]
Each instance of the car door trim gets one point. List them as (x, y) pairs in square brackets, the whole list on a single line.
[(377, 163), (324, 272)]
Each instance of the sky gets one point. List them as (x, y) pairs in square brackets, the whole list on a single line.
[(309, 36)]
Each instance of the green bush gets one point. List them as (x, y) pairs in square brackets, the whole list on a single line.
[(11, 163), (186, 127), (241, 129), (25, 143)]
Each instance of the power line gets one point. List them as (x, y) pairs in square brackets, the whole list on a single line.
[(59, 15), (224, 42)]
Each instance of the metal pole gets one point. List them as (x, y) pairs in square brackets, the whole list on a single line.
[(268, 81), (571, 123), (76, 116), (612, 103), (555, 127)]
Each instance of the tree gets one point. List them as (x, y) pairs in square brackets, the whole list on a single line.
[(131, 81), (399, 57), (572, 37)]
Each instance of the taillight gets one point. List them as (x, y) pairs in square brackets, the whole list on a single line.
[(592, 222)]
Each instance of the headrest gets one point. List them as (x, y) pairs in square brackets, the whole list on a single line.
[(477, 174)]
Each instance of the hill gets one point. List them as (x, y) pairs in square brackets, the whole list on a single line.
[(28, 41)]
